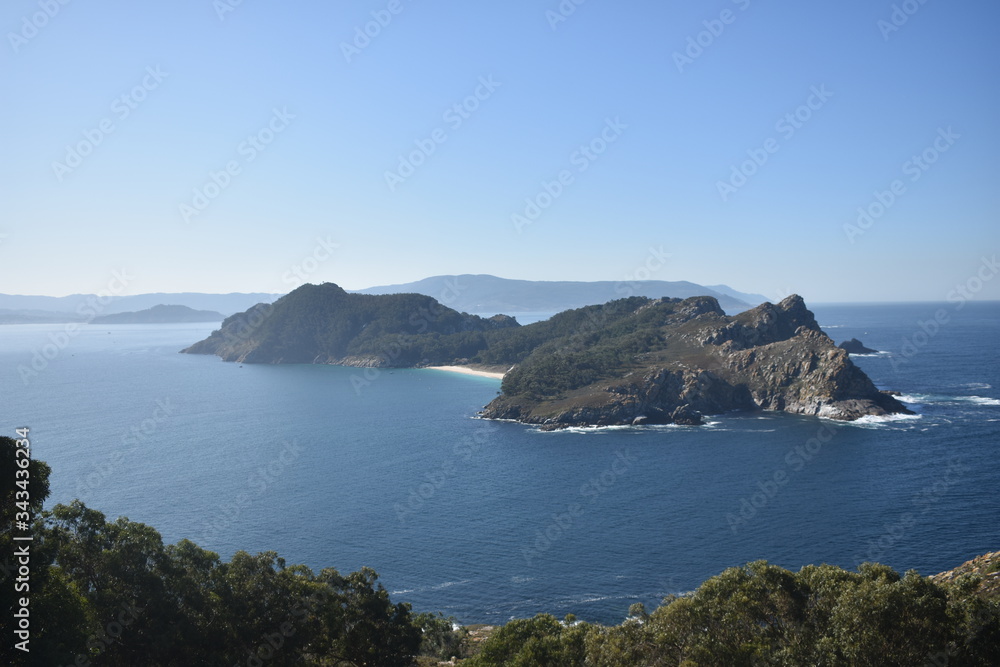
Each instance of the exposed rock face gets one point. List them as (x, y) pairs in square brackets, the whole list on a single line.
[(855, 346), (985, 567), (773, 357)]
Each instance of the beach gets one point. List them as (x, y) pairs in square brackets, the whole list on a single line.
[(467, 370)]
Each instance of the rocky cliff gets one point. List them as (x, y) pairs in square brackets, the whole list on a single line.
[(693, 360)]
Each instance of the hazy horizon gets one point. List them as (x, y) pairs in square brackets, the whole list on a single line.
[(845, 152)]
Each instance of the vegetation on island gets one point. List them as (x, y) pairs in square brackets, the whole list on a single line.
[(111, 593), (631, 361)]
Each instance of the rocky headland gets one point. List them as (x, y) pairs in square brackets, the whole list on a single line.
[(632, 361), (693, 360)]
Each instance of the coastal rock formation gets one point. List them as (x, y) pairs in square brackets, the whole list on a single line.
[(683, 359), (630, 361), (855, 346), (986, 568)]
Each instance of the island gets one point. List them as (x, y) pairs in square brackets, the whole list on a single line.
[(855, 346), (162, 314), (632, 361)]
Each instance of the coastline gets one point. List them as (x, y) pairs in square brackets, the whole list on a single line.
[(468, 370)]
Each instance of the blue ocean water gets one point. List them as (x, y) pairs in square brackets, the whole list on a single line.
[(487, 521)]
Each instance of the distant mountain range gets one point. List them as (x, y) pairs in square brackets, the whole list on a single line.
[(482, 294), (21, 309), (487, 294)]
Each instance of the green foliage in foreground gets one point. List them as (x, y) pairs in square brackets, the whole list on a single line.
[(111, 593), (761, 614)]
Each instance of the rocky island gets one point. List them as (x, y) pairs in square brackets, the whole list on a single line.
[(631, 361), (673, 361), (161, 314), (855, 346)]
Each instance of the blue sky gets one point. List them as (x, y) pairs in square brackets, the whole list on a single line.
[(682, 109)]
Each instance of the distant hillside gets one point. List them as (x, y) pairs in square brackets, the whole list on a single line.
[(30, 316), (489, 294), (749, 297), (162, 314), (79, 306)]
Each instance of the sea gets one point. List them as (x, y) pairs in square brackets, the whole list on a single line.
[(488, 521)]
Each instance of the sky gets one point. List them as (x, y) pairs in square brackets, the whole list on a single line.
[(845, 151)]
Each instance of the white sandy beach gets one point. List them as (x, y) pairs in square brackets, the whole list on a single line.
[(467, 371)]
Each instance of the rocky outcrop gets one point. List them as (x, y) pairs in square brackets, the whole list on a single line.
[(985, 569), (698, 362), (855, 346)]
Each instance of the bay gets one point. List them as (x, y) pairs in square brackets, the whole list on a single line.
[(486, 521)]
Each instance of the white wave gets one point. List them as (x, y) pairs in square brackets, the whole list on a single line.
[(879, 353), (983, 400), (449, 584), (591, 429), (437, 587), (923, 399), (519, 579), (883, 419)]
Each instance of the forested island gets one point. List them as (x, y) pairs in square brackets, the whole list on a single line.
[(111, 593), (631, 361), (161, 314)]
